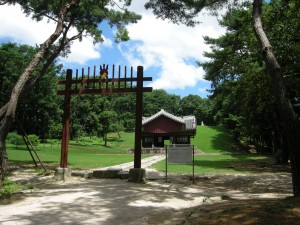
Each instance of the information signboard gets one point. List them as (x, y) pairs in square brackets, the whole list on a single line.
[(180, 154)]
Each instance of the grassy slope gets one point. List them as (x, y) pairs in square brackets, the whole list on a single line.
[(212, 140)]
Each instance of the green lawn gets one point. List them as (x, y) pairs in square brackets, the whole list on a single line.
[(114, 143), (86, 153), (91, 153), (212, 164), (213, 139), (217, 142)]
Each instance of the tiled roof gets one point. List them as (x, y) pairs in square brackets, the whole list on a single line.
[(162, 113), (189, 121)]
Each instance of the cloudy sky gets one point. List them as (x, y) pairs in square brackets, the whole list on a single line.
[(167, 51)]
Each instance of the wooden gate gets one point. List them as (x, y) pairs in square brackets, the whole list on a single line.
[(103, 83)]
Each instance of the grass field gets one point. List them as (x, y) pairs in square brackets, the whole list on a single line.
[(91, 153), (213, 164), (213, 139), (85, 153), (76, 158)]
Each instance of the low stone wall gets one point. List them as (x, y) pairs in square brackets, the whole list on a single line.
[(103, 174)]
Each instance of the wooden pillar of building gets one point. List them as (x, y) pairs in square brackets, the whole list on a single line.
[(66, 121)]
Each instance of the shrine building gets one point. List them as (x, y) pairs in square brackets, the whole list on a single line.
[(165, 126)]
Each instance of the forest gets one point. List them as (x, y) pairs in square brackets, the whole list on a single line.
[(241, 97)]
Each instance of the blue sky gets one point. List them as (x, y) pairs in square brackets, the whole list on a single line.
[(168, 52)]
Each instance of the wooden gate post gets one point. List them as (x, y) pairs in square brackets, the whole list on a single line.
[(138, 119), (66, 121)]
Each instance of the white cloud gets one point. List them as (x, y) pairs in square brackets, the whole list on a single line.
[(178, 75), (21, 29), (83, 51), (173, 48)]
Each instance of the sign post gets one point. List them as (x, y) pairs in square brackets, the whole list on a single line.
[(180, 154)]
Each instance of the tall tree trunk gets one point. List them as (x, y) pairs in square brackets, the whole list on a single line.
[(287, 115), (105, 139)]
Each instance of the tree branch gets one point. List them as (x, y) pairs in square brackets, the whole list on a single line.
[(3, 111), (44, 14)]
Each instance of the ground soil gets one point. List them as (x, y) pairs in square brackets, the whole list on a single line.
[(261, 198)]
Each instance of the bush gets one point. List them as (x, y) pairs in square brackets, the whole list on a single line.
[(34, 139), (15, 138), (84, 139)]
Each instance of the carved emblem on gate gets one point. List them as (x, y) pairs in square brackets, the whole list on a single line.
[(103, 71)]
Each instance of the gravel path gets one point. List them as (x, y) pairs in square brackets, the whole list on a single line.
[(82, 201), (99, 201)]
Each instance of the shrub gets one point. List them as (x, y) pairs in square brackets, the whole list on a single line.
[(8, 188), (14, 138), (84, 139), (34, 139)]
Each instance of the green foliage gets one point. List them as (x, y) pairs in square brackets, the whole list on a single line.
[(282, 17), (8, 188), (13, 59), (108, 120), (159, 99), (55, 129), (85, 16), (15, 138), (195, 105), (85, 112), (242, 96), (184, 11), (34, 139), (85, 139), (40, 109)]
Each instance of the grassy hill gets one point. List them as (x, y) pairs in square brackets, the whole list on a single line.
[(213, 139)]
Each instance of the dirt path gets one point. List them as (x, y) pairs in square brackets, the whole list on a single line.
[(115, 201)]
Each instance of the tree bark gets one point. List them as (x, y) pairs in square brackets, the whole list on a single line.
[(287, 116)]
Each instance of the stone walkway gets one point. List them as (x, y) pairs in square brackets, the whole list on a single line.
[(146, 162), (124, 168)]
